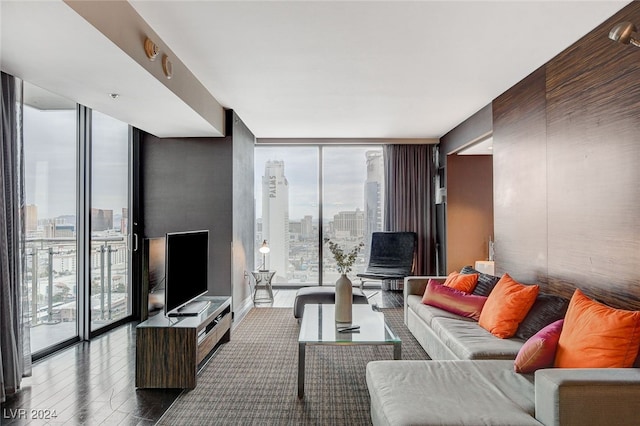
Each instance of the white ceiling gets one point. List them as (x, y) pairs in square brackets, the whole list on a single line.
[(302, 69)]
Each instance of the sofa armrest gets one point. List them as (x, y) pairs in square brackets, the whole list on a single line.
[(593, 396), (416, 285)]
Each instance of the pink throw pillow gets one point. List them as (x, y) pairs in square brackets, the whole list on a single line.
[(540, 350), (452, 300)]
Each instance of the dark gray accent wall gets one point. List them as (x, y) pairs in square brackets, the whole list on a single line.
[(204, 183)]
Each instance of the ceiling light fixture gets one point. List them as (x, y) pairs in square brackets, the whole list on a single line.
[(623, 33), (151, 49), (114, 95)]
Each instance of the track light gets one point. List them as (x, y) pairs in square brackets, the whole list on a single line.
[(623, 33)]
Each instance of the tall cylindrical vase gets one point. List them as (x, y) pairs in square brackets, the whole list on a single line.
[(344, 299)]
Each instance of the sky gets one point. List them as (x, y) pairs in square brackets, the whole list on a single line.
[(50, 162)]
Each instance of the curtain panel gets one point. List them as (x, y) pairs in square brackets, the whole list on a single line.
[(15, 351), (408, 201)]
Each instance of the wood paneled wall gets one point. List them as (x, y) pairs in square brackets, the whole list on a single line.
[(567, 171), (520, 180)]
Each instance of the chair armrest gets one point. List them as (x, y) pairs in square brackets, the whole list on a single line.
[(593, 396), (416, 285)]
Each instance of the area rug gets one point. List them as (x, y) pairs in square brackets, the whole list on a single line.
[(253, 378)]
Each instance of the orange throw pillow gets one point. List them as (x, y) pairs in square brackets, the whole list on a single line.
[(597, 336), (462, 282), (507, 305)]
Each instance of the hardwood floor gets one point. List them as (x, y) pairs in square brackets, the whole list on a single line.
[(93, 383)]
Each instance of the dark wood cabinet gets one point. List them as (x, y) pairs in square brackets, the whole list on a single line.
[(169, 351)]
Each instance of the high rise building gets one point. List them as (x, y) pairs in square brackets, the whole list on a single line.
[(307, 227), (64, 230), (101, 220), (275, 218), (31, 217), (374, 193), (124, 221), (295, 230), (349, 224)]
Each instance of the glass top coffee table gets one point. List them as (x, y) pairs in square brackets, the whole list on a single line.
[(319, 327)]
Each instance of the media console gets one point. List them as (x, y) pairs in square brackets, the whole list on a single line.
[(170, 351)]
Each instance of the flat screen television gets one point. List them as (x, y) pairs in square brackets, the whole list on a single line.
[(187, 269)]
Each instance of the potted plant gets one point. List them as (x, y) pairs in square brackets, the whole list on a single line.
[(344, 289)]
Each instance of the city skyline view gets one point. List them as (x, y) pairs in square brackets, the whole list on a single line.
[(343, 180), (288, 209)]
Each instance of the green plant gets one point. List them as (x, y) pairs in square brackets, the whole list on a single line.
[(344, 261)]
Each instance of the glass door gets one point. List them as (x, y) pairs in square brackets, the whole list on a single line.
[(49, 130), (111, 292)]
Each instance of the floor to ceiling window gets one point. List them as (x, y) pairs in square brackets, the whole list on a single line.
[(110, 289), (49, 128), (306, 193), (287, 199), (352, 202), (52, 246)]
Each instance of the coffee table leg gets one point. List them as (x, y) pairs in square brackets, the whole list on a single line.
[(301, 359), (397, 350)]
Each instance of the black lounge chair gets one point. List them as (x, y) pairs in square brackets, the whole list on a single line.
[(391, 257)]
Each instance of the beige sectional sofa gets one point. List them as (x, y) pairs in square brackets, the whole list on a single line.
[(471, 380), (448, 336)]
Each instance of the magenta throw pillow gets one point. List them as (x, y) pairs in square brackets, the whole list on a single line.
[(452, 300), (540, 350)]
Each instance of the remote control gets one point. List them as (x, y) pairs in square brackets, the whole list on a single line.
[(349, 328)]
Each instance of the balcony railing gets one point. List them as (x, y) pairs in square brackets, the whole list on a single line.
[(51, 277)]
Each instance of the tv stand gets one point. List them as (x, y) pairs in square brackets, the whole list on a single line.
[(191, 309), (171, 350)]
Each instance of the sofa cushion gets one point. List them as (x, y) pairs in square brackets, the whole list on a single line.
[(485, 284), (546, 309), (449, 393), (540, 350), (463, 282), (467, 340), (427, 312), (506, 307), (452, 300), (597, 336)]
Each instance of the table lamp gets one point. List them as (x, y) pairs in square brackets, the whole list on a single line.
[(264, 249)]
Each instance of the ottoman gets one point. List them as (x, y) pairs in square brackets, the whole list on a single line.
[(322, 295)]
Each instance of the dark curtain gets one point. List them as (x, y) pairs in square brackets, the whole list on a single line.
[(409, 198), (15, 352)]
